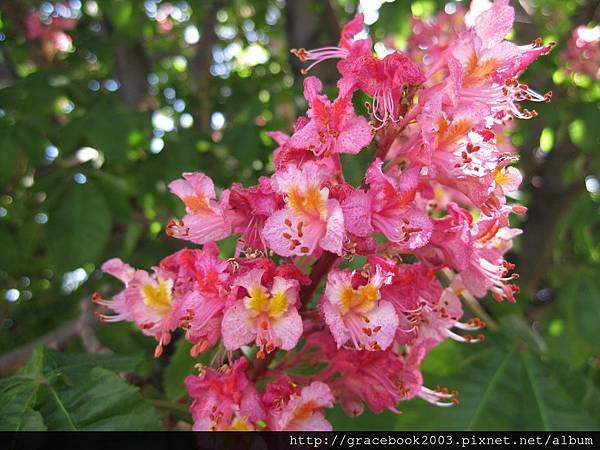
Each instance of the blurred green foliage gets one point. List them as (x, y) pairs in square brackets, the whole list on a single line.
[(90, 138)]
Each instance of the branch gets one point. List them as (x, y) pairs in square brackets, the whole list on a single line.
[(318, 271), (303, 30), (203, 60), (132, 67), (549, 203), (83, 327), (57, 338)]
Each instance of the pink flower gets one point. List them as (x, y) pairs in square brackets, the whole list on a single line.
[(147, 300), (434, 322), (412, 288), (294, 408), (286, 154), (583, 51), (488, 271), (203, 279), (333, 128), (310, 219), (205, 219), (430, 39), (387, 207), (484, 67), (354, 311), (50, 32), (430, 218), (349, 45), (475, 250), (266, 314), (466, 160), (251, 207), (385, 80), (379, 379), (224, 400)]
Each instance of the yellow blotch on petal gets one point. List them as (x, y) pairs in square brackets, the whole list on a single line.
[(196, 204), (362, 299), (478, 71), (345, 301), (158, 297), (500, 176), (304, 411), (259, 301), (310, 203), (450, 133), (240, 424), (368, 294), (278, 305)]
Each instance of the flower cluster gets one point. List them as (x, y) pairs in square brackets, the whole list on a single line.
[(582, 54), (49, 30), (336, 293)]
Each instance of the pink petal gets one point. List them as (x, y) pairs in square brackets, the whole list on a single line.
[(194, 183), (409, 227), (333, 240), (513, 180), (319, 393), (237, 327), (312, 88), (307, 138), (384, 316), (250, 279), (118, 269), (315, 422), (333, 319), (495, 23), (357, 213), (278, 136), (203, 228), (355, 136), (288, 328), (294, 178), (407, 185), (351, 29), (276, 228)]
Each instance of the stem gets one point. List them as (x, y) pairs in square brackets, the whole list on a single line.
[(476, 308), (392, 133), (260, 366), (177, 409), (473, 303), (319, 269)]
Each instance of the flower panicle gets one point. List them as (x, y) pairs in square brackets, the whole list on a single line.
[(430, 221)]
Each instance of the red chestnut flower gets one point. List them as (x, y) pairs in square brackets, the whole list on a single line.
[(297, 323)]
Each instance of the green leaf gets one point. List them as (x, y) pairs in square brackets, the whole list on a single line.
[(79, 229), (557, 408), (367, 421), (64, 392), (579, 314), (95, 399), (16, 406), (9, 256), (180, 366), (116, 363), (9, 155), (505, 390), (106, 126)]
